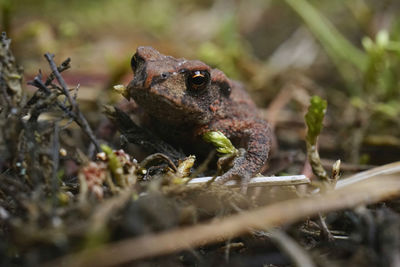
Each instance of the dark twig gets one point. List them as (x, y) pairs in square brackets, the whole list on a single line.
[(67, 124), (157, 157), (38, 83), (60, 79), (79, 119), (64, 66), (325, 233)]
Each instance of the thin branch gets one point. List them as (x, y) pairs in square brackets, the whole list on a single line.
[(60, 79), (325, 233), (387, 169), (315, 162), (80, 119), (38, 83), (64, 66)]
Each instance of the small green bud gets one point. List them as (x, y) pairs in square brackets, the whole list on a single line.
[(220, 141), (314, 118)]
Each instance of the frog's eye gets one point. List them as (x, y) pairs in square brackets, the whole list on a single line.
[(198, 80)]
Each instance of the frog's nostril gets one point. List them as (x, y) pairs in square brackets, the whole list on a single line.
[(164, 75)]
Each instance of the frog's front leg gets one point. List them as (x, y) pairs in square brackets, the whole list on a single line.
[(256, 137)]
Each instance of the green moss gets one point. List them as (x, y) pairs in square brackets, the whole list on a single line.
[(314, 118)]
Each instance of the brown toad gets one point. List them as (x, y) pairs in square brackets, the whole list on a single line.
[(186, 98)]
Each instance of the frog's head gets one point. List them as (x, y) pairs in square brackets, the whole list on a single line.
[(176, 90)]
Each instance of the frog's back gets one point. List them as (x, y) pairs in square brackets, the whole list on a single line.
[(241, 104)]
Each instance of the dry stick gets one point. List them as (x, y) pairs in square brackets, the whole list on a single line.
[(370, 191), (315, 161), (387, 169), (60, 79), (37, 82), (325, 232), (64, 66), (81, 120)]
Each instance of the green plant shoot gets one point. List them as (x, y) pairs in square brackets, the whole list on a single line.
[(314, 118), (220, 141), (114, 164)]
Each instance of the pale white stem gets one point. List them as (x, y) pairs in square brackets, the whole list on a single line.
[(387, 169), (260, 181)]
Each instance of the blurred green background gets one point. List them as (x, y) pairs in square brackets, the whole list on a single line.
[(348, 52)]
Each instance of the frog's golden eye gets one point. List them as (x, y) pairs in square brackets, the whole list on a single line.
[(198, 80)]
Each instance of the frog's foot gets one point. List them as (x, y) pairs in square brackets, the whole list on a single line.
[(237, 172), (243, 178)]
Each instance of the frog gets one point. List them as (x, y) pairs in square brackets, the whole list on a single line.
[(184, 99)]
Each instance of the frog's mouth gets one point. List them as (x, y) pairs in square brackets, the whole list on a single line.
[(176, 111), (169, 107)]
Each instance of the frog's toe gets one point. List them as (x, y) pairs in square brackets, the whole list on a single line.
[(243, 178), (244, 184)]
